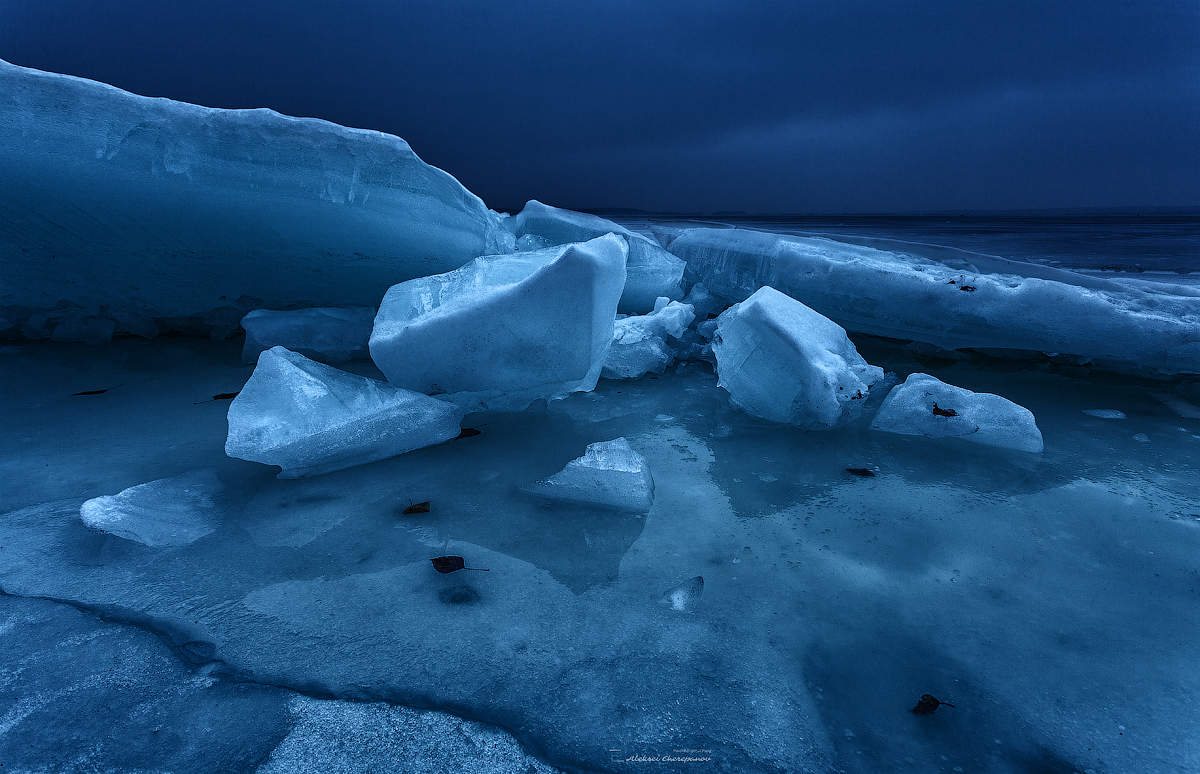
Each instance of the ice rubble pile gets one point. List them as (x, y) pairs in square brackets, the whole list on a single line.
[(652, 271), (610, 474), (167, 512), (147, 210), (929, 407), (782, 361), (311, 418), (328, 334), (1125, 325), (645, 343), (505, 330)]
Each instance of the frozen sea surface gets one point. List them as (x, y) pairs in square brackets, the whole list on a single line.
[(1052, 598)]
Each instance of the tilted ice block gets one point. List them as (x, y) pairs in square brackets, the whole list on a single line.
[(927, 406), (610, 474), (651, 270), (311, 418), (120, 206), (782, 361), (168, 512), (994, 303), (329, 334), (505, 330), (643, 343)]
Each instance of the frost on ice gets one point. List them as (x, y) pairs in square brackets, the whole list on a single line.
[(163, 513), (150, 207), (652, 271), (927, 406), (782, 361), (328, 334), (610, 474), (982, 303), (505, 330), (645, 343), (311, 418)]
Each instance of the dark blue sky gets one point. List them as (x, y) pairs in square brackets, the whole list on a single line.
[(704, 105)]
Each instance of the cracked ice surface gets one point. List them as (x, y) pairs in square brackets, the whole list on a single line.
[(829, 602)]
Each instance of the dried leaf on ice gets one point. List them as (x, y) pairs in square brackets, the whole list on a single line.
[(863, 472), (422, 507), (446, 564), (941, 412), (967, 288), (928, 705), (469, 432), (90, 392)]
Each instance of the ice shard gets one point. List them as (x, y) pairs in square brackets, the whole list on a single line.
[(645, 343), (133, 209), (610, 474), (505, 330), (168, 512), (311, 418)]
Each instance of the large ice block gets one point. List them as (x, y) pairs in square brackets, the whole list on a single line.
[(328, 334), (168, 512), (974, 301), (645, 343), (311, 418), (651, 270), (134, 209), (505, 330), (782, 361), (610, 474), (927, 406)]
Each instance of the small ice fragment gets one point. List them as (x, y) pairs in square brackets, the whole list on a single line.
[(1105, 413), (685, 596), (979, 417), (311, 418), (782, 361), (1141, 438), (505, 330), (166, 512), (328, 334), (610, 474), (645, 343)]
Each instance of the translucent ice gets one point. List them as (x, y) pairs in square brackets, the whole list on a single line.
[(782, 361), (652, 271), (644, 343), (328, 334), (991, 304), (151, 207), (927, 406), (685, 596), (610, 474), (311, 418), (1105, 413), (505, 330), (168, 512)]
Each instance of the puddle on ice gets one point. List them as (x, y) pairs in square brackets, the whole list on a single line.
[(1051, 598)]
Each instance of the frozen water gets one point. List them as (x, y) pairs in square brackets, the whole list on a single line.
[(782, 361), (703, 302), (926, 406), (505, 330), (1105, 413), (610, 474), (831, 602), (645, 343), (168, 512), (652, 271), (685, 596), (1144, 327), (149, 208), (311, 418), (328, 334)]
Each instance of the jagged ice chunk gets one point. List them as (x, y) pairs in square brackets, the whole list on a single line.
[(927, 406), (328, 334), (311, 418), (505, 330), (782, 361), (167, 512), (610, 474), (643, 343)]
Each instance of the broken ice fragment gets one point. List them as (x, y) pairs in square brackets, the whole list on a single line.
[(651, 270), (167, 512), (980, 417), (684, 597), (311, 418), (504, 330), (610, 474), (645, 343), (328, 334), (782, 361)]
